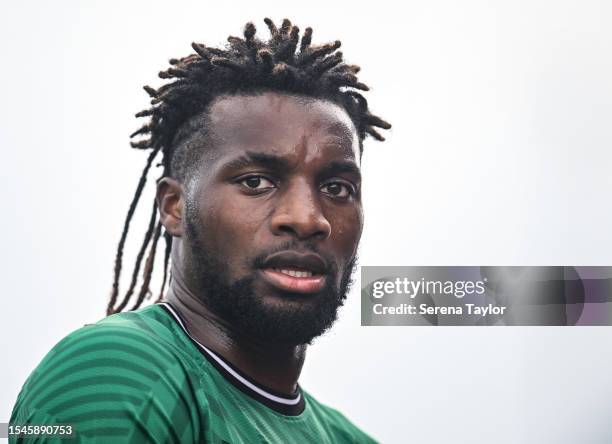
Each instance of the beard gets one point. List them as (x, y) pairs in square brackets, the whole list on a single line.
[(294, 320)]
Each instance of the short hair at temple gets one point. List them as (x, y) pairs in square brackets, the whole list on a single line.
[(285, 63)]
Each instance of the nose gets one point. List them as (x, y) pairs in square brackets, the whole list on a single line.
[(298, 213)]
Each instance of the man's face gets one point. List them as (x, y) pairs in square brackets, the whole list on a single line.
[(274, 217)]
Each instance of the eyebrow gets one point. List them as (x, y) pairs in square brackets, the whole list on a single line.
[(341, 166), (280, 164), (252, 157)]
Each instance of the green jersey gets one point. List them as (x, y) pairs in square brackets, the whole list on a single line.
[(140, 377)]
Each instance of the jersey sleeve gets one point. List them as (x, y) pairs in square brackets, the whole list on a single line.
[(112, 383)]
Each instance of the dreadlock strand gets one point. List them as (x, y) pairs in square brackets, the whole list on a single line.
[(143, 129), (180, 93), (173, 73), (341, 78), (201, 50), (286, 50), (235, 40), (148, 270), (162, 91), (285, 26), (360, 86), (184, 61), (167, 251), (152, 92), (139, 257), (271, 27), (228, 63), (144, 113), (249, 33), (347, 80), (216, 51), (266, 58), (207, 52), (237, 44), (320, 51), (285, 72), (126, 226), (374, 134), (306, 39), (249, 40), (377, 121), (343, 68), (327, 63), (141, 144), (294, 35)]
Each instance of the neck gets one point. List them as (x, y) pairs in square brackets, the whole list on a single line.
[(273, 365)]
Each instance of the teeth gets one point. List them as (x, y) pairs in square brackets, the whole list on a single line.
[(294, 273)]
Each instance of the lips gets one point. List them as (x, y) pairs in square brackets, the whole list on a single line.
[(295, 272)]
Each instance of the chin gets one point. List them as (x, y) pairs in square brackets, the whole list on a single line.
[(284, 317)]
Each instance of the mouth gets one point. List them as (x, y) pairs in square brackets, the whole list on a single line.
[(297, 273)]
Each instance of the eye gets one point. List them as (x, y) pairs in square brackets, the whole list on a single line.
[(338, 189), (258, 183)]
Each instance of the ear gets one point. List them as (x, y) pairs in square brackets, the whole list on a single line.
[(170, 203)]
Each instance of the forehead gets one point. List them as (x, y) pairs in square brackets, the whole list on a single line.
[(281, 120)]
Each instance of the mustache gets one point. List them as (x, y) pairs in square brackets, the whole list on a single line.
[(297, 246)]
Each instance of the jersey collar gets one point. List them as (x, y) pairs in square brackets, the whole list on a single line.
[(292, 405)]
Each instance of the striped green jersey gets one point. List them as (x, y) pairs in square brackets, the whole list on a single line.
[(140, 377)]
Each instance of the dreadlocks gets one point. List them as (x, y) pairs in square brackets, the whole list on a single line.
[(245, 65)]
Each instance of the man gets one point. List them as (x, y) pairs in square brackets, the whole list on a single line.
[(260, 200)]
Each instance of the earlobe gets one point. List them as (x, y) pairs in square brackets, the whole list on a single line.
[(170, 204)]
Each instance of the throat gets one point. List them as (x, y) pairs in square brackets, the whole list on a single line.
[(269, 365)]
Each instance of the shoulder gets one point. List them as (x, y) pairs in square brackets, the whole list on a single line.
[(338, 424), (113, 375), (132, 341)]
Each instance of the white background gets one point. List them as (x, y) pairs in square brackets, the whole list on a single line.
[(500, 154)]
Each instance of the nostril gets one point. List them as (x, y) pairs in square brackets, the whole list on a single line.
[(303, 229)]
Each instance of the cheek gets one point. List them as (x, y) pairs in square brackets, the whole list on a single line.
[(231, 229), (346, 230)]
